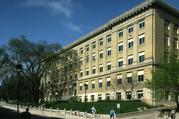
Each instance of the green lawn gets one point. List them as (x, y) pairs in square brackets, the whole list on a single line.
[(102, 107)]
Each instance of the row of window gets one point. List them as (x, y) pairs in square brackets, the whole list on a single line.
[(167, 42), (119, 80), (118, 96), (167, 27), (141, 41), (141, 58)]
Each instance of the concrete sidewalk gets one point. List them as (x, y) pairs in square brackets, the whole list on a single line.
[(146, 114)]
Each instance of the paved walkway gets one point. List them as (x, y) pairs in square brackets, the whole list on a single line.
[(148, 114), (10, 114)]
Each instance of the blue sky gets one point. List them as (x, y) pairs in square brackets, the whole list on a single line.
[(58, 21)]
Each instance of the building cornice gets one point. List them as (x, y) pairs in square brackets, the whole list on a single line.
[(125, 16)]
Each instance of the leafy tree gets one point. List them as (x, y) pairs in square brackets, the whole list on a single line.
[(165, 80), (61, 77), (35, 59), (131, 86)]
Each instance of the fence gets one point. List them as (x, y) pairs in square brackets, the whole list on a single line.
[(42, 111)]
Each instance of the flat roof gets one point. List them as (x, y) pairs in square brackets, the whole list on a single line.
[(126, 15)]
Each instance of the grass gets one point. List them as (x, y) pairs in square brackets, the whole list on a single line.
[(102, 107)]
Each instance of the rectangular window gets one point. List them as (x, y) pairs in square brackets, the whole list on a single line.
[(141, 24), (81, 85), (176, 43), (167, 41), (130, 43), (76, 75), (101, 42), (140, 94), (100, 68), (128, 95), (99, 97), (109, 38), (93, 84), (141, 39), (140, 76), (81, 60), (87, 48), (118, 96), (94, 45), (129, 77), (120, 33), (120, 62), (107, 96), (108, 82), (81, 50), (87, 58), (92, 98), (109, 66), (130, 60), (86, 85), (130, 29), (87, 72), (81, 73), (93, 57), (176, 29), (119, 79), (166, 25), (100, 83), (109, 52), (120, 47), (101, 54), (141, 57), (93, 70)]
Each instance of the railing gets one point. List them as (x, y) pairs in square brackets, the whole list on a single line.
[(43, 111)]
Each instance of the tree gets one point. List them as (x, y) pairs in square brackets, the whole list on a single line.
[(61, 78), (35, 59), (165, 80), (130, 85)]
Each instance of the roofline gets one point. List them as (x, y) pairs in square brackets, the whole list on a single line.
[(126, 15)]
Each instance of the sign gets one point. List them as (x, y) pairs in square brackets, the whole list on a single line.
[(118, 105)]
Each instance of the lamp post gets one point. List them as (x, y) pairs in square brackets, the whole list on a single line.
[(18, 69), (56, 95), (50, 96)]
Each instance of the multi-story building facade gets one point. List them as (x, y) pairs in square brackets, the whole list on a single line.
[(118, 57)]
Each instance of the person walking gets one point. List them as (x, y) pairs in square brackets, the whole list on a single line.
[(112, 114), (173, 113), (93, 110)]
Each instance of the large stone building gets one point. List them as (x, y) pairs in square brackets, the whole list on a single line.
[(119, 56)]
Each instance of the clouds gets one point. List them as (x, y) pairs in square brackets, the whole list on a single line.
[(72, 26), (62, 8)]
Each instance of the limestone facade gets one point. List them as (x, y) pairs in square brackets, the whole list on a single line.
[(118, 57)]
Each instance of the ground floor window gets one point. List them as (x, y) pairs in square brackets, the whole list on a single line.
[(118, 96), (92, 98), (128, 95), (86, 98), (140, 94), (99, 97), (107, 96), (80, 98)]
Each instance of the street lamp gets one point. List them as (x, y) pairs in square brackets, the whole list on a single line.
[(18, 69), (50, 96), (56, 95)]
